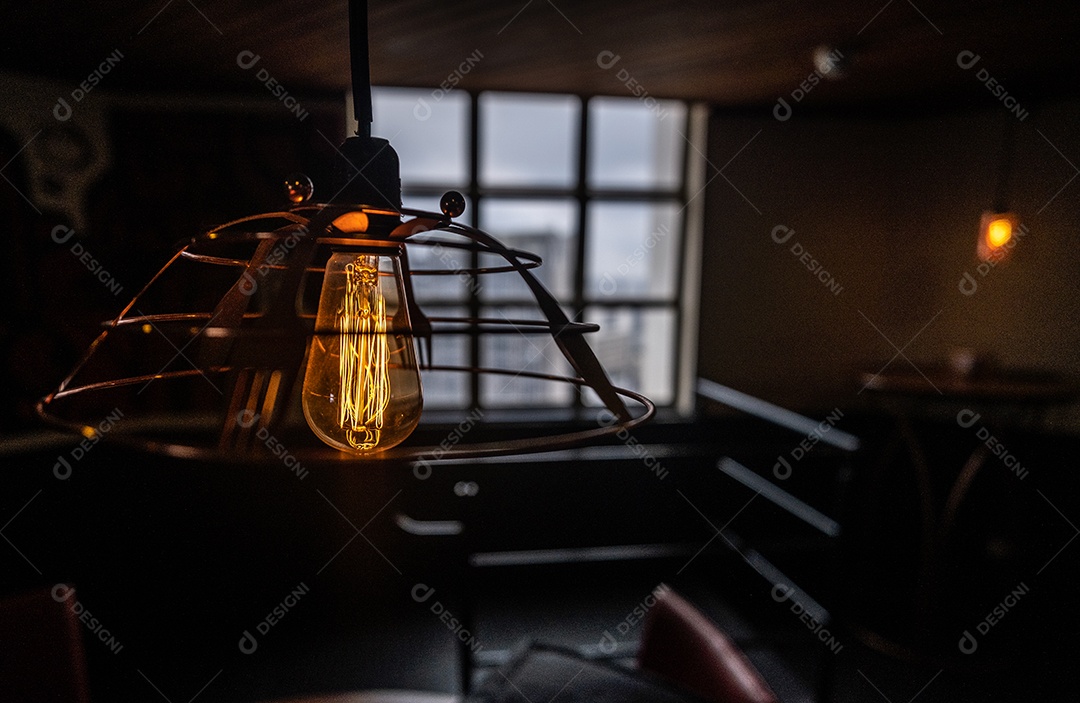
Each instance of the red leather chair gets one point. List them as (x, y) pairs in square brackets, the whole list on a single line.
[(376, 696), (684, 647), (679, 644), (41, 651)]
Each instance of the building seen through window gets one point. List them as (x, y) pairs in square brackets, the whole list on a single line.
[(594, 186)]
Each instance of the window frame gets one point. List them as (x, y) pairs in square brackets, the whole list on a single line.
[(683, 301)]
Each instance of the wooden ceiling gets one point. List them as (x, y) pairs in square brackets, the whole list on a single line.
[(733, 53)]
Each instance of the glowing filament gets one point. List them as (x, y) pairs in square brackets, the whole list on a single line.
[(364, 364), (999, 232), (362, 390)]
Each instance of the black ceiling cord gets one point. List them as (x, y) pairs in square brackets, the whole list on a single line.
[(1005, 167), (368, 172), (360, 64)]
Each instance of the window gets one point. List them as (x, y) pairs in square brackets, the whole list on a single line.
[(598, 187)]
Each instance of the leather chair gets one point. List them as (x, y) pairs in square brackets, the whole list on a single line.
[(376, 696), (41, 650), (43, 657), (684, 647), (680, 645)]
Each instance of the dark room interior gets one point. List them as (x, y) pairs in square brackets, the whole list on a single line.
[(699, 351)]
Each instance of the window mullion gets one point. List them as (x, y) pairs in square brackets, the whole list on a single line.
[(680, 313), (474, 257), (581, 194), (657, 192)]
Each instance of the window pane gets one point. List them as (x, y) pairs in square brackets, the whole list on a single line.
[(528, 139), (637, 348), (635, 145), (522, 352), (632, 250), (543, 227), (430, 136), (436, 253), (447, 389)]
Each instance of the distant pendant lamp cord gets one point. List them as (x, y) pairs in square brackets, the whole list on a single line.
[(361, 66), (1008, 147)]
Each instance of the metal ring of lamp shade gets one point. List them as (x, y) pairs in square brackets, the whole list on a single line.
[(264, 350)]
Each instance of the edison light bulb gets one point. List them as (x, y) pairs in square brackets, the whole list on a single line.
[(999, 232), (362, 390), (996, 231)]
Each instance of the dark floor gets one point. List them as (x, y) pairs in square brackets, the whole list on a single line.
[(181, 561), (578, 606)]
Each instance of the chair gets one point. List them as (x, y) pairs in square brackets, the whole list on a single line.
[(679, 645), (684, 647), (375, 696), (41, 651)]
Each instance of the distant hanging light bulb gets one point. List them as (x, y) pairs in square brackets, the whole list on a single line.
[(362, 391), (831, 62), (996, 235)]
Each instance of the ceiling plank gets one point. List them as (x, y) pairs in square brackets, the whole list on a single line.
[(734, 53)]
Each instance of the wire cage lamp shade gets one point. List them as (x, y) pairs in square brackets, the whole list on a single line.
[(245, 358), (285, 328)]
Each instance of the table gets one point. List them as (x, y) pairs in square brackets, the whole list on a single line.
[(980, 397)]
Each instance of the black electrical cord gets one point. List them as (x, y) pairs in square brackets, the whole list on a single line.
[(1008, 149), (360, 65)]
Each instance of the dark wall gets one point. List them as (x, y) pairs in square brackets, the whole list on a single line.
[(889, 204), (131, 176)]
